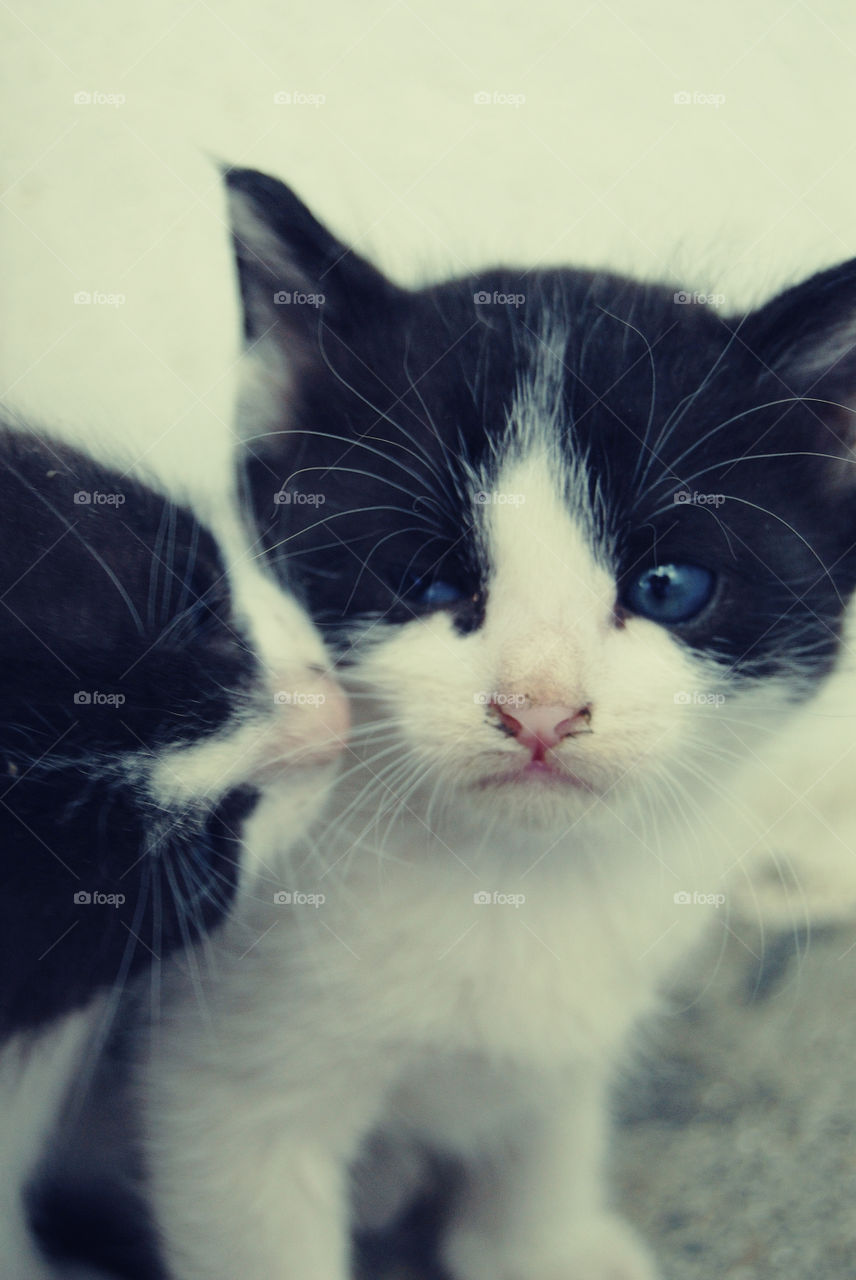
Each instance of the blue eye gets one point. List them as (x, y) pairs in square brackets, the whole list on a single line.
[(433, 595), (671, 593)]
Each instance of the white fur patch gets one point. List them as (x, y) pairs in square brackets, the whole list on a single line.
[(293, 726)]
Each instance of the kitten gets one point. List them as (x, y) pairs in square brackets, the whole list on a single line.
[(581, 548), (139, 662)]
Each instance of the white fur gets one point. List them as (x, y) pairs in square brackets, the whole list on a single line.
[(402, 1008)]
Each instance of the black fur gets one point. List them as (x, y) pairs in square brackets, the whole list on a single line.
[(106, 601)]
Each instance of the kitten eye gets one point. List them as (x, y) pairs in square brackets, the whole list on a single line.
[(671, 593), (436, 594)]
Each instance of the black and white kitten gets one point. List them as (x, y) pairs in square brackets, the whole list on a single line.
[(580, 547), (140, 661)]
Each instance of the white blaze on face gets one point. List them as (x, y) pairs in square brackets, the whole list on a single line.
[(551, 634), (550, 638), (550, 604)]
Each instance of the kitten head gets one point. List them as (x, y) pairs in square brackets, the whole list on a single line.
[(575, 538), (151, 693)]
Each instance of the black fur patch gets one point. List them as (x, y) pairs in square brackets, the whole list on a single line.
[(115, 641)]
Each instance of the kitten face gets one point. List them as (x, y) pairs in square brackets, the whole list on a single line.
[(140, 723), (482, 712), (556, 493)]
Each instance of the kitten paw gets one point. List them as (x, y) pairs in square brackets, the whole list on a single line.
[(599, 1248)]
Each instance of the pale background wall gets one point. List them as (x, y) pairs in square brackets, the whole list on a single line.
[(597, 164)]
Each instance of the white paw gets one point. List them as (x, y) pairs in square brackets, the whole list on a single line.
[(602, 1247)]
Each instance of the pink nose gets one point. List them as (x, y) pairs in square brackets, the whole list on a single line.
[(335, 719), (540, 728), (314, 720)]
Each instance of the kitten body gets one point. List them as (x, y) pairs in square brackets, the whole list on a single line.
[(142, 721), (572, 543)]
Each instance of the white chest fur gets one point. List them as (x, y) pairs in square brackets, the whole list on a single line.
[(526, 946)]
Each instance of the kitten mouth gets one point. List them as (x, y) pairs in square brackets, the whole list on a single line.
[(538, 773)]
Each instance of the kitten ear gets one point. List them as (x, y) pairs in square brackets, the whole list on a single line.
[(807, 338), (294, 273)]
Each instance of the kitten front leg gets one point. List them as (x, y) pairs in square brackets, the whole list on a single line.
[(248, 1141), (248, 1177), (36, 1072), (274, 1209), (534, 1206)]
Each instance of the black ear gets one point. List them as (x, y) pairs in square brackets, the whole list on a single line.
[(806, 339), (293, 273)]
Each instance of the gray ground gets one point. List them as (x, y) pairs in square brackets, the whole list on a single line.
[(736, 1155), (738, 1159)]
